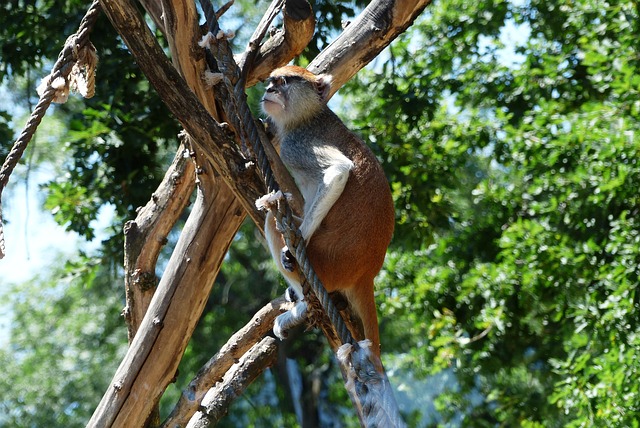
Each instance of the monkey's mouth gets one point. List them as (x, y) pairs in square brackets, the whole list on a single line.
[(268, 100)]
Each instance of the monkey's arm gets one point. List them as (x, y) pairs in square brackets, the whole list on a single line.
[(329, 189)]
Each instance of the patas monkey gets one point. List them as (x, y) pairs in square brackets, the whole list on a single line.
[(348, 215)]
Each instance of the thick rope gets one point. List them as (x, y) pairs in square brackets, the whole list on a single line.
[(53, 90), (284, 214)]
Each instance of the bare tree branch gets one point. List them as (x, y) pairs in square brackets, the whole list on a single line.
[(284, 44), (365, 37), (214, 370), (215, 403), (150, 364), (145, 236)]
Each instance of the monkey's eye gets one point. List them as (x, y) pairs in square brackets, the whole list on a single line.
[(284, 80), (277, 81)]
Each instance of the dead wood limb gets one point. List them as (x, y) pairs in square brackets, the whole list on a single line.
[(153, 357), (141, 254), (183, 34), (217, 400), (231, 94), (283, 45), (213, 141), (214, 370), (364, 38), (145, 236)]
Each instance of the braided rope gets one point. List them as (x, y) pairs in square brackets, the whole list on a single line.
[(284, 214), (61, 70)]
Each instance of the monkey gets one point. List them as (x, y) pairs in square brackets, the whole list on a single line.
[(348, 215)]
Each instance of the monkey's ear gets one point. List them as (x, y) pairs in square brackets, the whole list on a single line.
[(323, 86)]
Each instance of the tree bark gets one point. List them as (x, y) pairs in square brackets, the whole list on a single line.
[(215, 403), (151, 362), (145, 236), (364, 38)]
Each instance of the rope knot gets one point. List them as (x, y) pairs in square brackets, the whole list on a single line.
[(82, 77), (83, 74)]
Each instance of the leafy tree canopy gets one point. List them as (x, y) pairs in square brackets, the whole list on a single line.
[(518, 172)]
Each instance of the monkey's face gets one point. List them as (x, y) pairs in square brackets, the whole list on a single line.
[(275, 97), (284, 96), (293, 95)]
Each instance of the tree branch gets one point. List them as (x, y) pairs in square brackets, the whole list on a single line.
[(145, 236), (214, 370), (284, 44), (372, 31), (154, 354), (211, 139), (215, 403)]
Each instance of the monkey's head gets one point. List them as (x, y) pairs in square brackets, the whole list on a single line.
[(294, 95)]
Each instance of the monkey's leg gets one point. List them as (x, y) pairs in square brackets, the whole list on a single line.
[(294, 293), (290, 319), (362, 301)]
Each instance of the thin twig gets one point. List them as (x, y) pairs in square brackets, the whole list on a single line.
[(253, 47)]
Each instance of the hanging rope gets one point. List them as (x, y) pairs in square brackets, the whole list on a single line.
[(73, 70)]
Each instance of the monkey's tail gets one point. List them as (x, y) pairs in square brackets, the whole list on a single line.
[(363, 302)]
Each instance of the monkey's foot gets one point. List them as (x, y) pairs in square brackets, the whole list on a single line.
[(290, 319), (290, 295), (287, 259), (360, 358), (269, 200)]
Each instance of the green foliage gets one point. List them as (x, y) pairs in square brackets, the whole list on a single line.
[(34, 31), (51, 376), (115, 148), (5, 133), (518, 180)]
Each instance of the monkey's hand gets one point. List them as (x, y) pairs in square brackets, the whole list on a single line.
[(290, 295), (287, 259), (270, 200), (290, 319)]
